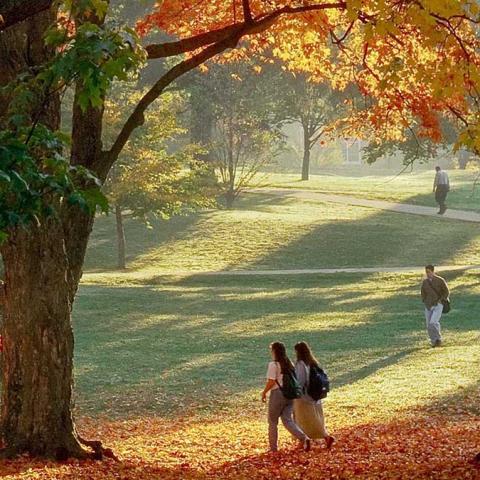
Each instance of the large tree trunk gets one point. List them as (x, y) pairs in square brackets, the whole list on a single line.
[(43, 265), (229, 198), (306, 154), (122, 263), (38, 344)]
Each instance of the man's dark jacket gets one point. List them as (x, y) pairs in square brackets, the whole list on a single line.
[(434, 291)]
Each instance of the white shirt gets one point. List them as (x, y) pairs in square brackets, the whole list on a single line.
[(274, 372), (441, 178), (302, 372)]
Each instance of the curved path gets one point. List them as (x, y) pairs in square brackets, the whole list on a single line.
[(463, 215), (310, 271)]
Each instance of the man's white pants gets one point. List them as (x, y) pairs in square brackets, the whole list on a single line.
[(432, 317)]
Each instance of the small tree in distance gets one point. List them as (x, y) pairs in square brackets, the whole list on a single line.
[(152, 178), (246, 134), (313, 106)]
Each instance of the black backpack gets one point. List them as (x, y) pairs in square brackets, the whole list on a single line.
[(318, 383), (291, 389)]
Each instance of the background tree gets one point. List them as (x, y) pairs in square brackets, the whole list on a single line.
[(313, 106), (246, 135), (157, 174)]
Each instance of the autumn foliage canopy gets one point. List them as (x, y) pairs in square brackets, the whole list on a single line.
[(412, 60)]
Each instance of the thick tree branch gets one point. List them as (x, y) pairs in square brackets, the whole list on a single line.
[(136, 119), (170, 49), (16, 11), (255, 25), (247, 12)]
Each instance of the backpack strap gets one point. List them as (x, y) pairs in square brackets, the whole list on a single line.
[(276, 381)]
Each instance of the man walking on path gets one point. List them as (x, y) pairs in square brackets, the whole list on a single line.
[(441, 186), (434, 292)]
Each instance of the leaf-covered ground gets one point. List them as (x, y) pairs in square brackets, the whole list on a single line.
[(417, 447), (399, 409)]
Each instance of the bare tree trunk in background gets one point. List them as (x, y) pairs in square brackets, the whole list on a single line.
[(121, 244), (307, 146)]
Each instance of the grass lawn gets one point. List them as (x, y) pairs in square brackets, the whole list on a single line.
[(202, 344), (414, 188), (178, 369), (266, 232)]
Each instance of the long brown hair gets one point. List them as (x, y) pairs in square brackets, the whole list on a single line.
[(304, 354), (280, 356)]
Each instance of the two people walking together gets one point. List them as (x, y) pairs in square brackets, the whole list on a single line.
[(296, 401), (295, 396)]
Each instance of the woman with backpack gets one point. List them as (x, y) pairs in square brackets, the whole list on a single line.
[(314, 382), (281, 383)]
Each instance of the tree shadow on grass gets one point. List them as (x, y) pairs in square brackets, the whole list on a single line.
[(102, 247), (381, 239), (164, 349), (142, 239)]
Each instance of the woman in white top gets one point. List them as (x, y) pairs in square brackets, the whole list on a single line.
[(278, 405), (308, 412)]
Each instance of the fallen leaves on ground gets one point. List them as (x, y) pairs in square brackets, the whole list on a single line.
[(419, 447)]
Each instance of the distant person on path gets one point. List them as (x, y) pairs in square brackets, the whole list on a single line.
[(278, 405), (308, 411), (434, 292), (441, 187)]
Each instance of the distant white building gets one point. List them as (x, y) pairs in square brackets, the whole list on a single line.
[(352, 151)]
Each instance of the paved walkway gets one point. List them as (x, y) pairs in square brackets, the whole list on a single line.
[(463, 215), (310, 271)]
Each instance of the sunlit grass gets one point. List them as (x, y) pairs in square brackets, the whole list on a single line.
[(201, 346), (265, 232)]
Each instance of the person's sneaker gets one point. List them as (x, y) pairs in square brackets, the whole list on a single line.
[(329, 441), (307, 445), (437, 343)]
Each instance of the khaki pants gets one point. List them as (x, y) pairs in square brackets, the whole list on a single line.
[(309, 417), (432, 317), (280, 407)]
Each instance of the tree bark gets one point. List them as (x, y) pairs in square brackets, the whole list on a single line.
[(43, 266), (306, 154), (13, 12), (229, 198), (120, 237), (38, 345)]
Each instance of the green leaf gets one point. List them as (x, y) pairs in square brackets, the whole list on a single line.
[(95, 198), (4, 177), (19, 181), (76, 198)]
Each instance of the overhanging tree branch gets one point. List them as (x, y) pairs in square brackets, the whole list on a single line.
[(230, 36), (247, 12), (170, 49), (16, 11), (254, 25), (137, 118)]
